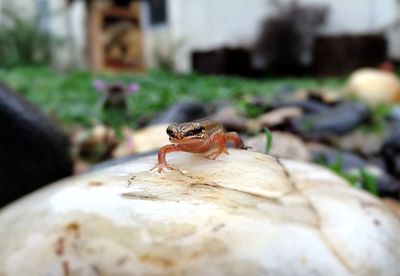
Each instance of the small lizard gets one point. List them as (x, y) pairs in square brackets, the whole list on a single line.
[(202, 136)]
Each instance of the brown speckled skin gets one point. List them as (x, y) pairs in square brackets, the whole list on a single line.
[(203, 136)]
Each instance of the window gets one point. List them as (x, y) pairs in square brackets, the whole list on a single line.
[(158, 11)]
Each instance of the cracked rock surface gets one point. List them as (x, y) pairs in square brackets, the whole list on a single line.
[(244, 213)]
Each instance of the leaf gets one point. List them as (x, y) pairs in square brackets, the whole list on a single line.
[(268, 135), (369, 181)]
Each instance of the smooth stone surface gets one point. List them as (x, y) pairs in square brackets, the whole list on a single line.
[(394, 205), (244, 213)]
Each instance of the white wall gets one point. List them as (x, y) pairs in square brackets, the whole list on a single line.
[(68, 24), (210, 24), (358, 16)]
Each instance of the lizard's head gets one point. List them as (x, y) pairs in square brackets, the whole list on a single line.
[(185, 132)]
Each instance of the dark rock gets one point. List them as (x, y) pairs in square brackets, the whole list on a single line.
[(180, 112), (287, 100), (33, 150), (353, 163), (230, 118), (391, 150), (331, 156), (308, 106), (377, 161), (338, 120), (388, 186), (395, 114)]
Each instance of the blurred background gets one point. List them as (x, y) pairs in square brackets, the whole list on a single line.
[(83, 82), (234, 37)]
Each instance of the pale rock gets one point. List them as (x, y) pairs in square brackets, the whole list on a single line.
[(145, 139), (231, 119), (367, 143), (278, 116), (284, 145), (374, 86), (326, 96), (393, 204), (245, 213)]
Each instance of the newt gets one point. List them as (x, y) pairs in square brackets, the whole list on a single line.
[(202, 136)]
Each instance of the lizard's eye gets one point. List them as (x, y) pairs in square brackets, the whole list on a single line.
[(199, 129), (170, 132)]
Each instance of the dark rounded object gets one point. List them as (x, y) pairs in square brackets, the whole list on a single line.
[(181, 112), (331, 156), (394, 115), (308, 106), (338, 120), (391, 150), (33, 150)]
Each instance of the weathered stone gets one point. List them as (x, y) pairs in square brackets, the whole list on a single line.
[(244, 213)]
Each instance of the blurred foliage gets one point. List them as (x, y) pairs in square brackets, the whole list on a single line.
[(249, 109), (360, 178), (22, 42), (377, 122), (71, 97)]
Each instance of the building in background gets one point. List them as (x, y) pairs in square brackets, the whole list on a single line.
[(215, 35)]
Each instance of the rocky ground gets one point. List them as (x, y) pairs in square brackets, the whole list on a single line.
[(356, 140)]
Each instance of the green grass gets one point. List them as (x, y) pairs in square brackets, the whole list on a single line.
[(268, 137), (70, 97)]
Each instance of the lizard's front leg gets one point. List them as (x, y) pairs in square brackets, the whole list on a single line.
[(218, 139), (162, 162)]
